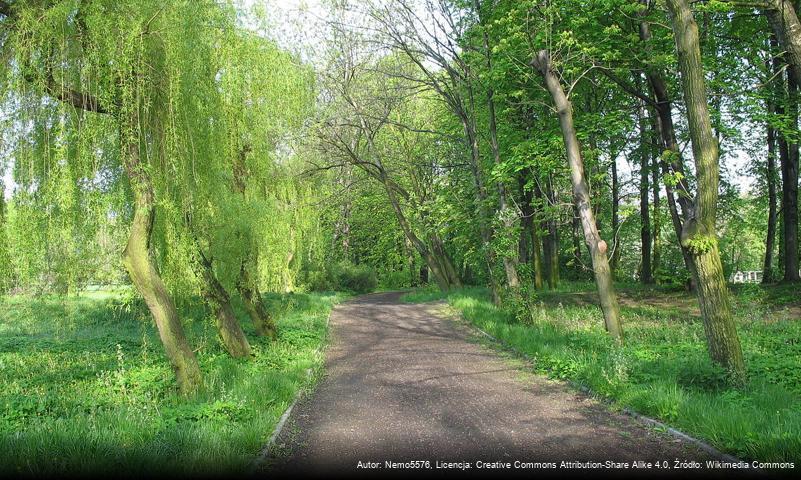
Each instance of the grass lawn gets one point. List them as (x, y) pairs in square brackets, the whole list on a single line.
[(663, 369), (86, 387)]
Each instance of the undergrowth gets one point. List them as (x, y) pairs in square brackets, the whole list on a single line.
[(87, 388)]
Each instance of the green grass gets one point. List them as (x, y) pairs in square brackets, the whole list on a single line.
[(86, 387), (663, 369)]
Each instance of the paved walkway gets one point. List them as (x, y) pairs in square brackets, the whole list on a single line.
[(405, 383)]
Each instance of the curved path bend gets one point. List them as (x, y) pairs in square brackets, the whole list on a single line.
[(405, 382)]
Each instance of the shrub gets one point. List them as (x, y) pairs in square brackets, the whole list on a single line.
[(354, 278), (395, 279), (319, 281)]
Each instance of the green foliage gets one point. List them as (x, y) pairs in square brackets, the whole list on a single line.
[(663, 369), (354, 278), (701, 244), (88, 390)]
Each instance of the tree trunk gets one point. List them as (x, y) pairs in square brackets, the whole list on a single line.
[(530, 237), (553, 239), (657, 222), (508, 215), (698, 234), (790, 189), (441, 275), (444, 260), (575, 234), (484, 227), (615, 260), (646, 275), (138, 261), (783, 19), (526, 221), (770, 177), (598, 247), (671, 160), (545, 239), (231, 334), (254, 304)]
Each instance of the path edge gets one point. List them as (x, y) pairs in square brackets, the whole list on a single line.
[(264, 453), (643, 419)]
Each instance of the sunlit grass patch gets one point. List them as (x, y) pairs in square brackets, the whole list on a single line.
[(88, 389)]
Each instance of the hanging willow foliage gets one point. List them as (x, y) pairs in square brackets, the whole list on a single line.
[(171, 117)]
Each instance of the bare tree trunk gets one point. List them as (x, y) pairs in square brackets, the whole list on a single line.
[(598, 247), (444, 260), (699, 234), (138, 261), (231, 334)]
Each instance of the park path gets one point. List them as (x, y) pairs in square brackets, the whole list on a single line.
[(405, 382)]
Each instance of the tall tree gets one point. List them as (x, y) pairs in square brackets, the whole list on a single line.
[(699, 232), (644, 154), (581, 196)]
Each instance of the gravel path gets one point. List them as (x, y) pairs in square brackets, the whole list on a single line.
[(403, 382)]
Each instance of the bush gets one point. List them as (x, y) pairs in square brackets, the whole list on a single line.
[(354, 278), (319, 281), (395, 279)]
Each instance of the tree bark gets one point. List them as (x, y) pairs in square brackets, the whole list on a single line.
[(699, 234), (441, 276), (553, 238), (231, 334), (138, 261), (790, 188), (646, 274), (671, 160), (615, 260), (444, 260), (598, 247), (783, 19), (657, 222), (770, 178), (530, 238), (252, 299)]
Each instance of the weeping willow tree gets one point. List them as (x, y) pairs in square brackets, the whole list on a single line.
[(266, 94), (171, 107)]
